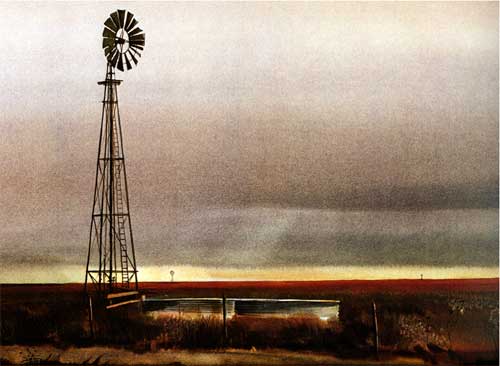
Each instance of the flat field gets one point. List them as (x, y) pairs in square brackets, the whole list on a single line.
[(440, 321), (319, 289), (271, 289)]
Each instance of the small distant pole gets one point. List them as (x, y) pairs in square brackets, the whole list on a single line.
[(375, 327), (172, 275), (91, 318), (224, 322), (421, 276)]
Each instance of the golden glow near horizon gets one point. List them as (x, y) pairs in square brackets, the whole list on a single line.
[(74, 273)]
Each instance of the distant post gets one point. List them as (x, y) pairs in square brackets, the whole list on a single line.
[(172, 275), (224, 322), (375, 327), (91, 318)]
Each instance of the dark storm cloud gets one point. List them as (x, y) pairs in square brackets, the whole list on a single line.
[(391, 197), (271, 237), (279, 237)]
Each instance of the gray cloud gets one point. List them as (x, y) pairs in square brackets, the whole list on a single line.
[(280, 108), (270, 237)]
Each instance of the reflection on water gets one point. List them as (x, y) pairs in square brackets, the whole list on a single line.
[(324, 309)]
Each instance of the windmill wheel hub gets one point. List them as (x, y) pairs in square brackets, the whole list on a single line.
[(122, 40)]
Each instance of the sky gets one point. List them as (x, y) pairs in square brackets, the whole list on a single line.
[(262, 140)]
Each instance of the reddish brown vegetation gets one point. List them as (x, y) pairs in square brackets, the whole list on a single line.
[(319, 289), (271, 289), (432, 318)]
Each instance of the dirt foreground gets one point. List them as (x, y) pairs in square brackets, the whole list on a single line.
[(110, 356)]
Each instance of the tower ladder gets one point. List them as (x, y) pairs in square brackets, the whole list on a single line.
[(119, 210)]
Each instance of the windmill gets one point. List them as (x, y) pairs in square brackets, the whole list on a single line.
[(111, 267)]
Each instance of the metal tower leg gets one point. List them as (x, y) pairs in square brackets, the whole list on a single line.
[(110, 267)]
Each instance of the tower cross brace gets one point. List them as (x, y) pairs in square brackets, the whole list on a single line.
[(111, 265)]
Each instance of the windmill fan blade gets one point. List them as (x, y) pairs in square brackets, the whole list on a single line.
[(131, 25), (116, 20), (136, 46), (109, 23), (129, 66), (120, 62), (135, 31), (108, 33), (137, 37), (133, 49), (108, 51), (134, 52), (121, 17), (132, 56), (115, 57), (111, 55), (108, 42), (137, 42), (130, 16), (108, 48)]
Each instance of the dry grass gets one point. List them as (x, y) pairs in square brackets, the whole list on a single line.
[(293, 332), (464, 321)]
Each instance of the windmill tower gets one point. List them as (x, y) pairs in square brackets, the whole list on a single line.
[(111, 267)]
